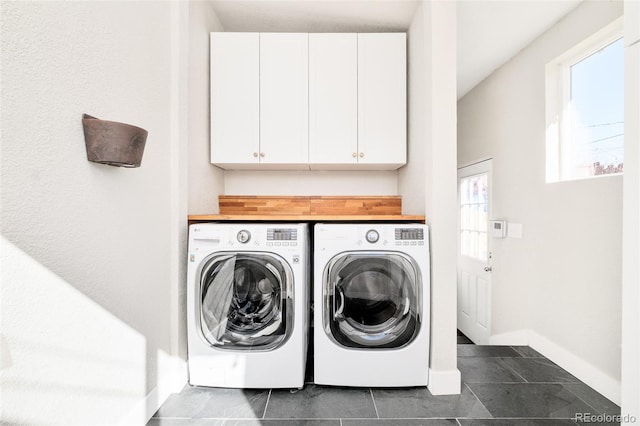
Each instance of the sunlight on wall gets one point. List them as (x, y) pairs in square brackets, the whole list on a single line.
[(64, 357)]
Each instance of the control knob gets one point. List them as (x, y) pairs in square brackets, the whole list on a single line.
[(372, 236), (244, 236)]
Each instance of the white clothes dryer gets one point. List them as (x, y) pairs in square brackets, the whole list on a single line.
[(371, 304), (247, 304)]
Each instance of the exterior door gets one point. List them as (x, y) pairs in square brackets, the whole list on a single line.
[(474, 252)]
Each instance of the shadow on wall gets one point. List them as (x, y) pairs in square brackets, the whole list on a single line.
[(68, 355)]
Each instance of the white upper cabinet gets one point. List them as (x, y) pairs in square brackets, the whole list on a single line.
[(284, 99), (333, 100), (235, 107), (298, 101), (382, 94)]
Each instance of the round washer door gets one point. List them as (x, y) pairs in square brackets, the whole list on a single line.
[(245, 300), (372, 299)]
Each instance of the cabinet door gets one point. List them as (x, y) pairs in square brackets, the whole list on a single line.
[(382, 93), (284, 99), (235, 112), (333, 99)]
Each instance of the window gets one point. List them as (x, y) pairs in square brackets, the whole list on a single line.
[(474, 216), (585, 108)]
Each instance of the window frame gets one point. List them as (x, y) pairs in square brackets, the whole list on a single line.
[(559, 143)]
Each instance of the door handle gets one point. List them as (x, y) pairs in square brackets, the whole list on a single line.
[(488, 269)]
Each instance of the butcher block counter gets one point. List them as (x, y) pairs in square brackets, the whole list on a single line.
[(259, 208)]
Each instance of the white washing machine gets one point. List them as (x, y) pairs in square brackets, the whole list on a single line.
[(371, 304), (247, 304)]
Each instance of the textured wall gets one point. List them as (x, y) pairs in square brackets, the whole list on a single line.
[(97, 240), (562, 280)]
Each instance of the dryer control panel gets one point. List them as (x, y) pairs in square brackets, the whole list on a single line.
[(409, 236), (282, 234)]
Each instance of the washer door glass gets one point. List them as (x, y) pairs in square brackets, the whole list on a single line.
[(372, 299), (246, 300)]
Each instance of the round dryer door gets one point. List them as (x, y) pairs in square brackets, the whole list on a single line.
[(372, 299), (246, 300)]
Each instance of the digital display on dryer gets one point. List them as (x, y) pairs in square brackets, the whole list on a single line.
[(282, 234), (409, 234)]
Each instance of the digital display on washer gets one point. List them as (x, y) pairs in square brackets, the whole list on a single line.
[(409, 234), (282, 234)]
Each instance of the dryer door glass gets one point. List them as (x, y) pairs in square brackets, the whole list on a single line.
[(372, 299), (246, 300)]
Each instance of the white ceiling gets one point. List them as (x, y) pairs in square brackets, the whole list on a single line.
[(490, 32)]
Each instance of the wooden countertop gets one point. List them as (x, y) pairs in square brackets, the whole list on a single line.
[(295, 208), (304, 218)]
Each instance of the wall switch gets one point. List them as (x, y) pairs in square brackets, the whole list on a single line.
[(514, 230)]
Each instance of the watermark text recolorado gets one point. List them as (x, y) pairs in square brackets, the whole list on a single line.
[(604, 418)]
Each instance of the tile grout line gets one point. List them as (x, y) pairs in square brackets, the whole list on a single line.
[(374, 403), (518, 352), (264, 413), (512, 369), (578, 396), (478, 399)]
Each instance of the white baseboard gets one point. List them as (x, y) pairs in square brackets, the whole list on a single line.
[(514, 338), (591, 375), (444, 382), (172, 376)]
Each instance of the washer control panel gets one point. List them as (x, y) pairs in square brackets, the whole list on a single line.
[(285, 237), (409, 236), (282, 234)]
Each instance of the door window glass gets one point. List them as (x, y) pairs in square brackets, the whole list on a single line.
[(474, 216)]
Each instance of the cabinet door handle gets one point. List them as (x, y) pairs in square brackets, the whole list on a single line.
[(262, 154), (354, 155), (255, 154), (361, 154)]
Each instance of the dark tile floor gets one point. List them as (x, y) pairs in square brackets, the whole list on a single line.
[(502, 386)]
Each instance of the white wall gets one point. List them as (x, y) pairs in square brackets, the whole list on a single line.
[(206, 181), (631, 222), (418, 47), (242, 182), (559, 287), (90, 273), (428, 182)]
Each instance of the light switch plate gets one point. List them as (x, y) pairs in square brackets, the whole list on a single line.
[(514, 230)]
